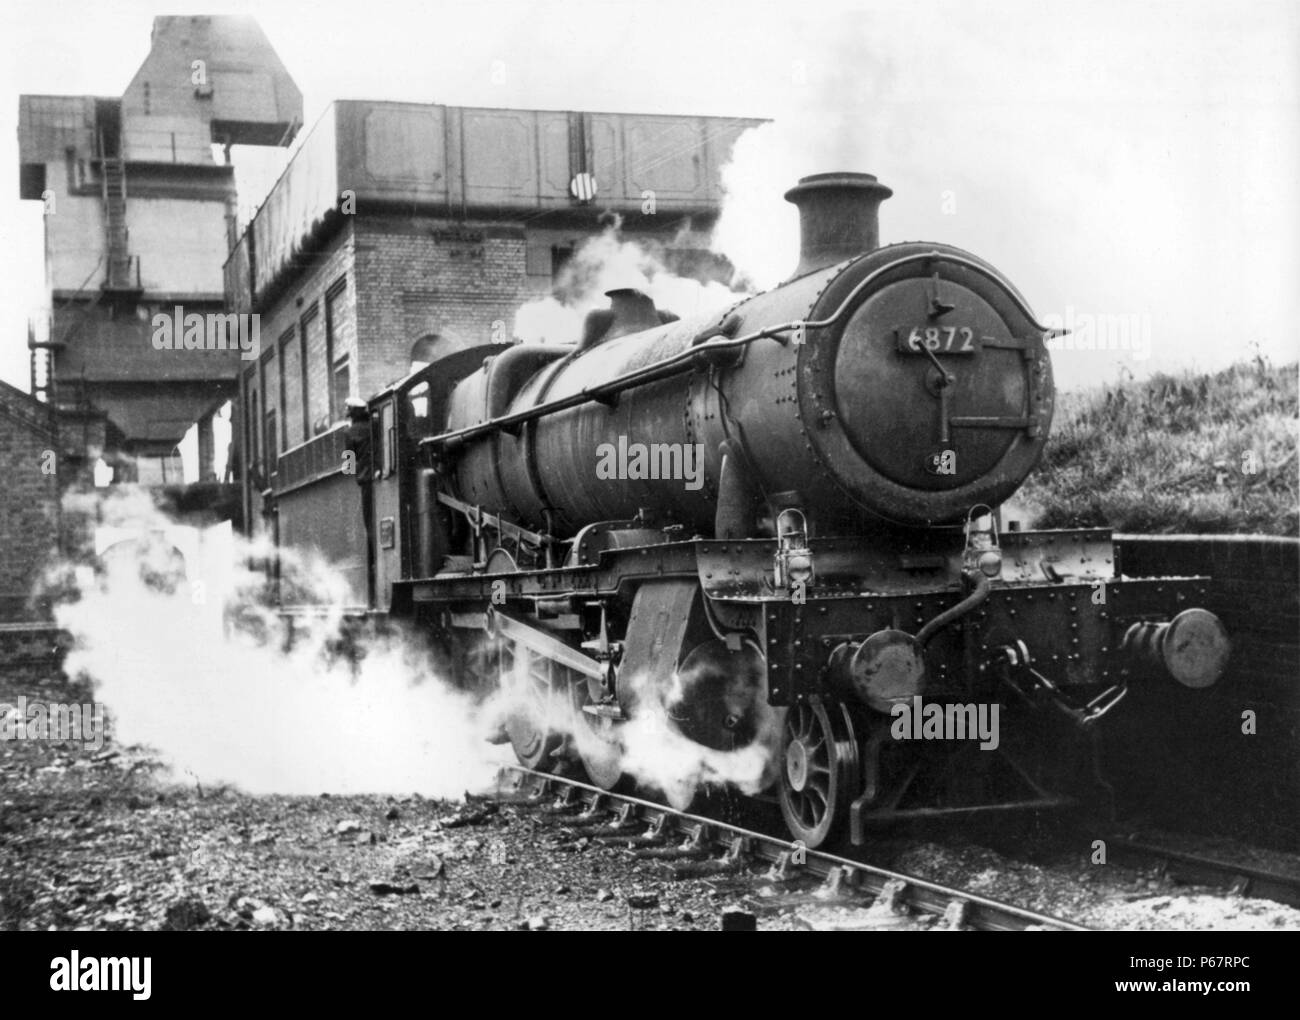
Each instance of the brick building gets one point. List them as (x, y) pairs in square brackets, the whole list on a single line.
[(139, 197), (401, 232), (29, 513)]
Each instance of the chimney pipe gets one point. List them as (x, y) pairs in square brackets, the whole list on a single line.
[(629, 311), (838, 217), (633, 312)]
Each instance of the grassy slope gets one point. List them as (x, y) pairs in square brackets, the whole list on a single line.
[(1170, 455)]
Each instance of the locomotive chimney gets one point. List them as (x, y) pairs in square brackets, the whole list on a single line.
[(633, 312), (838, 217), (629, 311)]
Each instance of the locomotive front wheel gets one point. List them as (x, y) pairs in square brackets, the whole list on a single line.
[(819, 764)]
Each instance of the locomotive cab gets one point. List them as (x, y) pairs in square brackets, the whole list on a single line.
[(412, 533)]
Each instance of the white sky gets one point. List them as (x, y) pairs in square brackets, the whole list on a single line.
[(1112, 158)]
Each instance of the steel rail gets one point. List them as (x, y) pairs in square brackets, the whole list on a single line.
[(977, 911), (1185, 866)]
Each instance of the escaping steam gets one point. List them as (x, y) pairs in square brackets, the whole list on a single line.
[(609, 262), (176, 629), (659, 755), (191, 660)]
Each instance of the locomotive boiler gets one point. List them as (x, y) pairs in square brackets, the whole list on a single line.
[(780, 523)]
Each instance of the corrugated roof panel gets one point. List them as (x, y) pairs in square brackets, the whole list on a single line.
[(307, 190)]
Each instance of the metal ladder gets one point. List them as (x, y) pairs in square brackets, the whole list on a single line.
[(119, 259)]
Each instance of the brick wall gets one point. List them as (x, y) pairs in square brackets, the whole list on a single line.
[(1256, 593), (1225, 780), (417, 276), (29, 499)]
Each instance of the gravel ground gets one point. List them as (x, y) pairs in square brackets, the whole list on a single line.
[(101, 844), (104, 839)]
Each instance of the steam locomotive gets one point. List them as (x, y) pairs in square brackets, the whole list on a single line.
[(779, 523)]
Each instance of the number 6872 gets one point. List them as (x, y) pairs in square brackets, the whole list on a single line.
[(945, 339)]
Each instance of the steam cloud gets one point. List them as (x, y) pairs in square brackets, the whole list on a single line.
[(650, 747), (660, 756), (189, 654), (196, 668), (608, 262)]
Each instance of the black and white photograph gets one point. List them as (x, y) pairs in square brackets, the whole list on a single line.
[(650, 466)]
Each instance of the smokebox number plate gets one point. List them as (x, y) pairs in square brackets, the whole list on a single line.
[(938, 339)]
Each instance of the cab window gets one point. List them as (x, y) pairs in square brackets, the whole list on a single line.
[(418, 400), (388, 432)]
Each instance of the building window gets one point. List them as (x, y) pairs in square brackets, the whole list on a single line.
[(167, 470), (103, 474), (388, 430), (31, 181), (266, 441), (302, 365), (418, 400), (285, 340), (255, 453), (560, 256), (342, 384), (333, 358), (270, 440)]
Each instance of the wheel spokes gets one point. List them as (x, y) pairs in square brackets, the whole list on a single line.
[(827, 762)]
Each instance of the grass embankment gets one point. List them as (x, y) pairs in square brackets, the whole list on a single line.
[(1175, 454)]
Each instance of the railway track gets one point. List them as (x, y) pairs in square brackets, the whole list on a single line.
[(694, 847), (1189, 868)]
